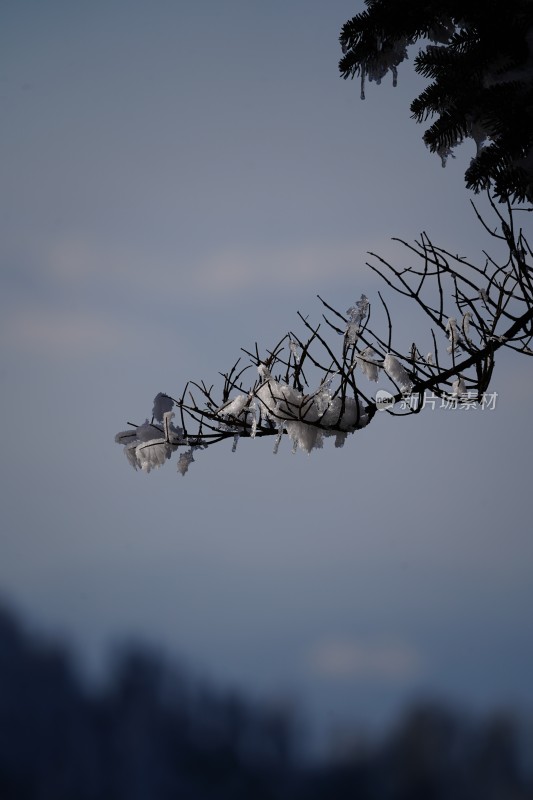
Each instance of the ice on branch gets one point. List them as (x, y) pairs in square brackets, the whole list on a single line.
[(296, 350), (241, 410), (313, 385), (356, 315), (369, 367), (467, 319), (233, 408), (149, 445), (307, 418), (384, 59), (453, 334), (397, 372)]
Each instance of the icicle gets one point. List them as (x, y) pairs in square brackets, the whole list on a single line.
[(253, 411), (444, 154), (278, 438), (479, 135), (362, 84), (295, 350), (235, 443), (340, 438)]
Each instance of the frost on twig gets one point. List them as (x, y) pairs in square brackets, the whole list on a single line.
[(368, 360), (397, 372), (149, 445), (317, 384)]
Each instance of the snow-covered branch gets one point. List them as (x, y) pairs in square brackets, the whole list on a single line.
[(319, 384)]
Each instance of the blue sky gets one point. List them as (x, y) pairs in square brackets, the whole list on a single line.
[(178, 181)]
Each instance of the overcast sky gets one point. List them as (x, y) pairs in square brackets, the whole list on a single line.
[(178, 180)]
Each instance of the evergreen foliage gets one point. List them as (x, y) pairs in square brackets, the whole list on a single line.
[(478, 56)]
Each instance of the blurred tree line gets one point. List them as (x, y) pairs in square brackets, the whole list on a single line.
[(154, 733)]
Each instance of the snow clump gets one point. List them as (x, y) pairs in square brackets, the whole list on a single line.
[(307, 417)]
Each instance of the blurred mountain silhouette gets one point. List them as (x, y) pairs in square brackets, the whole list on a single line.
[(153, 732)]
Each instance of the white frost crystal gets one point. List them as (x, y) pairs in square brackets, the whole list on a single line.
[(233, 408), (467, 319), (359, 311), (352, 332), (296, 350), (397, 372), (356, 315), (458, 387), (369, 366), (279, 400), (453, 334), (300, 414), (349, 419), (278, 438), (149, 445), (240, 408)]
